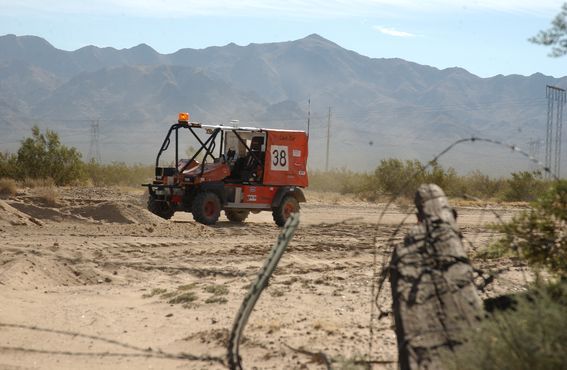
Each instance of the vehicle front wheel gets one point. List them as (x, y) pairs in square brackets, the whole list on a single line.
[(160, 208), (206, 208), (236, 215), (282, 212)]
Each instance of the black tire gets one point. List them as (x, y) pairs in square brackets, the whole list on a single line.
[(160, 208), (206, 208), (234, 215), (282, 212)]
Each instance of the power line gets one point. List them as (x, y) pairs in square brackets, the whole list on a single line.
[(328, 140)]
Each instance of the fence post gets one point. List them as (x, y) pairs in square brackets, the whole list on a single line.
[(434, 297)]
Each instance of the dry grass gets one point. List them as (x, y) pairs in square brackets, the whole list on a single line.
[(48, 195), (185, 298), (155, 291), (216, 289), (8, 187), (185, 287), (216, 299), (37, 183)]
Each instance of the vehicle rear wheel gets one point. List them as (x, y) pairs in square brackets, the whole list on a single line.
[(206, 208), (236, 215), (160, 208), (282, 212)]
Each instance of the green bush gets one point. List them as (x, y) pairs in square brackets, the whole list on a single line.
[(8, 165), (393, 176), (524, 186), (42, 156), (402, 178), (533, 336), (118, 173), (539, 235), (479, 185)]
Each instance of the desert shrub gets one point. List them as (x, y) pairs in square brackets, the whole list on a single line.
[(539, 235), (480, 185), (48, 195), (524, 186), (8, 165), (216, 299), (342, 181), (216, 289), (494, 250), (46, 182), (43, 156), (532, 336), (154, 292), (402, 178), (447, 179), (8, 187), (186, 297), (118, 173), (393, 176)]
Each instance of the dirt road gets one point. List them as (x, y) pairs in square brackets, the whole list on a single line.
[(115, 287)]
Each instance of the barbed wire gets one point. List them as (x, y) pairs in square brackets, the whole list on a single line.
[(378, 279), (255, 290), (141, 352)]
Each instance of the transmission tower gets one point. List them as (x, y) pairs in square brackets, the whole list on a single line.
[(555, 101), (94, 148)]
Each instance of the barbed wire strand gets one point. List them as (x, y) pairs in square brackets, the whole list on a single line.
[(255, 290), (142, 352), (403, 188)]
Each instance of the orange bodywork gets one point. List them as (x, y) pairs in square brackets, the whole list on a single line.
[(258, 194), (252, 196), (212, 172), (286, 158)]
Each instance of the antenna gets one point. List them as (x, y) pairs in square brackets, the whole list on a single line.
[(308, 115)]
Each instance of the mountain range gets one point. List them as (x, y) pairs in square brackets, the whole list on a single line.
[(377, 107)]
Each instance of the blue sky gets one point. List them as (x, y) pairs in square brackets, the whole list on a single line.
[(485, 37)]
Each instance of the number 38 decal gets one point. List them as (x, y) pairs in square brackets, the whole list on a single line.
[(279, 158)]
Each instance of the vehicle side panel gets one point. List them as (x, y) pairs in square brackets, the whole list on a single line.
[(250, 196), (286, 158)]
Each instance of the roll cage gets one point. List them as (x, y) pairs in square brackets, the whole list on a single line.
[(207, 146)]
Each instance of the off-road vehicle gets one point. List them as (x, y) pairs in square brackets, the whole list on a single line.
[(235, 169)]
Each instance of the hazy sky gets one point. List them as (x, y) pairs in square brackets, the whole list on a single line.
[(485, 37)]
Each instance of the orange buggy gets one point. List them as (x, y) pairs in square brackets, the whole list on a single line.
[(235, 169)]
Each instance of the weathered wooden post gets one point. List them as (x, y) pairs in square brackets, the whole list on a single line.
[(434, 297)]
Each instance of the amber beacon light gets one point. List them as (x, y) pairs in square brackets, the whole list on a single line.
[(183, 117)]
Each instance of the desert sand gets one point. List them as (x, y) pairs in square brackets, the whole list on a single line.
[(89, 279)]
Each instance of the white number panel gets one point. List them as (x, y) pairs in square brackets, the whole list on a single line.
[(279, 158)]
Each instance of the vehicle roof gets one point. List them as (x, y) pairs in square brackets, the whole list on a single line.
[(239, 128)]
